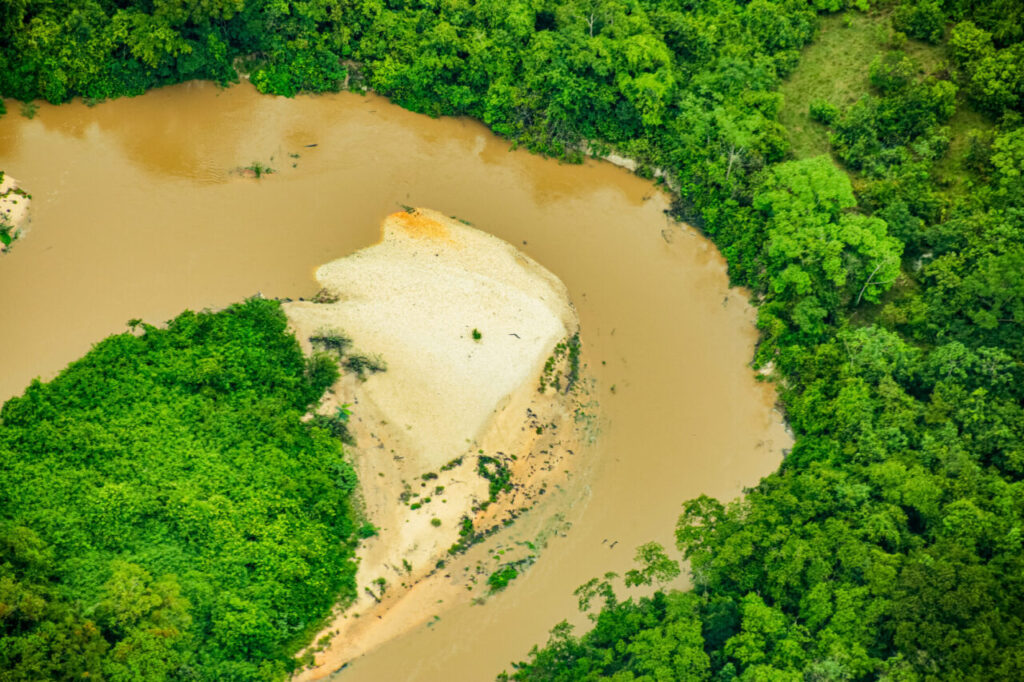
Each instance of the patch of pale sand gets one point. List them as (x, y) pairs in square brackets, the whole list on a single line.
[(418, 591), (14, 204), (415, 298)]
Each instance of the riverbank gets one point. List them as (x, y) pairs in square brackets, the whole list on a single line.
[(456, 438)]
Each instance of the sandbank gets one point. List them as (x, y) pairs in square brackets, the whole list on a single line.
[(14, 205), (466, 326)]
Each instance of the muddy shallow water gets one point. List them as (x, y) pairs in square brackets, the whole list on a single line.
[(138, 211)]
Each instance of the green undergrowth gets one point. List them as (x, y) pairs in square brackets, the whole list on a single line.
[(508, 571), (498, 475), (338, 344), (562, 369), (968, 129)]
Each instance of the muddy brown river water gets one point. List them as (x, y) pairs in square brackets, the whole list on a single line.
[(138, 212)]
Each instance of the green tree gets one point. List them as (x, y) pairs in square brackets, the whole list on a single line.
[(814, 247)]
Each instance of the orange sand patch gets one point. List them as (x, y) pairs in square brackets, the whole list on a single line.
[(420, 225)]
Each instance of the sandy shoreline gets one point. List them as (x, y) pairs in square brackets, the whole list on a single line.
[(467, 326)]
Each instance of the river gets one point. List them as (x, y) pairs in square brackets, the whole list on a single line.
[(139, 212)]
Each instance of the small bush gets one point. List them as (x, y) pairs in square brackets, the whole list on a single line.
[(364, 364), (325, 296), (331, 340), (500, 579), (497, 473), (452, 464), (921, 19), (336, 424), (824, 112), (259, 169)]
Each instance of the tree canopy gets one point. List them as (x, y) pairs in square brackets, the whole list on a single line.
[(167, 513)]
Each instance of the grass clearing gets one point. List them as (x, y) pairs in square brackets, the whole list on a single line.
[(833, 68), (836, 68)]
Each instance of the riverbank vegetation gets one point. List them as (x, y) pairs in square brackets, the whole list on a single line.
[(166, 512), (884, 250), (888, 545)]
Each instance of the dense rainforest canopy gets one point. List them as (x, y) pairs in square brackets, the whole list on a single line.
[(166, 513), (886, 257)]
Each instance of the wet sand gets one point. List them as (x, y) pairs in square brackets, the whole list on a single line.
[(138, 212)]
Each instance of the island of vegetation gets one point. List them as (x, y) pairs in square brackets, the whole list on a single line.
[(859, 163), (168, 512)]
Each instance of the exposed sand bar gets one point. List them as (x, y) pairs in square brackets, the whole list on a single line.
[(465, 324), (14, 204), (416, 298)]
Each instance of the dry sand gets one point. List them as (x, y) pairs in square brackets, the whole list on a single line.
[(14, 204), (447, 398), (416, 298)]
